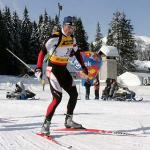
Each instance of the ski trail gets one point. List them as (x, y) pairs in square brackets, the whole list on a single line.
[(21, 141), (25, 142), (142, 127), (79, 137), (6, 141), (40, 143), (2, 146), (59, 143), (36, 144)]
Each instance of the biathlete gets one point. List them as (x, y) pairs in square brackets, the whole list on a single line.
[(60, 46)]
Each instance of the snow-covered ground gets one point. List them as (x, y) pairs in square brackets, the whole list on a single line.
[(21, 119)]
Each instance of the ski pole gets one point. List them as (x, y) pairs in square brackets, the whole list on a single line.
[(20, 60)]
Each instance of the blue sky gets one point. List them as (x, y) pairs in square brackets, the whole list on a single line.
[(90, 11)]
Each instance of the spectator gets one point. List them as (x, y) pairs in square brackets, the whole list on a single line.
[(106, 91), (96, 87), (20, 88), (87, 85), (113, 88)]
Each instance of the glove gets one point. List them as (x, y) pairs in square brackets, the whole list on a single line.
[(38, 73), (85, 70), (72, 52)]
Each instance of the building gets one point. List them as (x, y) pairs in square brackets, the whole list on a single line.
[(109, 66)]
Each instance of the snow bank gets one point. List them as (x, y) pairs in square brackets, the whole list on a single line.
[(129, 79), (142, 65), (145, 39)]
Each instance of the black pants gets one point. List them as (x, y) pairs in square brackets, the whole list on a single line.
[(87, 89), (97, 93), (59, 79)]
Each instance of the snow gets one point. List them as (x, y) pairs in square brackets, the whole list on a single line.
[(142, 65), (21, 119), (104, 40), (142, 42), (109, 51), (129, 79), (145, 39)]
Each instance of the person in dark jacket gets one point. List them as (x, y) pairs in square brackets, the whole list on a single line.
[(96, 87), (106, 91), (87, 85)]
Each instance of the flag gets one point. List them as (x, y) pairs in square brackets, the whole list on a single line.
[(91, 60)]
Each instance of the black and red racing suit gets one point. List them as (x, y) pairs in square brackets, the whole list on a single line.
[(59, 48)]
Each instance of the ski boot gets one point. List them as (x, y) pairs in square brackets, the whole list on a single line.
[(45, 127), (69, 123), (87, 97), (96, 98)]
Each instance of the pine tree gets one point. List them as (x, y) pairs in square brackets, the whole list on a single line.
[(44, 28), (8, 26), (55, 24), (9, 41), (3, 38), (34, 44), (81, 35), (16, 26), (120, 35), (91, 46), (26, 30), (57, 20), (40, 21), (17, 47), (40, 29), (3, 45), (98, 39)]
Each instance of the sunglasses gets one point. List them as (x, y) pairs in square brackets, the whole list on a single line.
[(71, 26)]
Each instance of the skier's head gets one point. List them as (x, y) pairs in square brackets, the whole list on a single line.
[(68, 25), (19, 84)]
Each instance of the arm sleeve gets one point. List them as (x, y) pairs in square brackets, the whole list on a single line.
[(41, 56), (40, 59), (77, 53), (51, 44), (75, 46)]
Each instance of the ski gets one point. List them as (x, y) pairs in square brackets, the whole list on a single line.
[(52, 139), (98, 131), (34, 98), (127, 100), (138, 100)]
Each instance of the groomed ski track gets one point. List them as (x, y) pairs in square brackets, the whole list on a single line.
[(20, 120)]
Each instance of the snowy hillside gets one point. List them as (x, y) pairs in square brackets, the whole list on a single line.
[(21, 119), (142, 65), (142, 42), (145, 39)]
